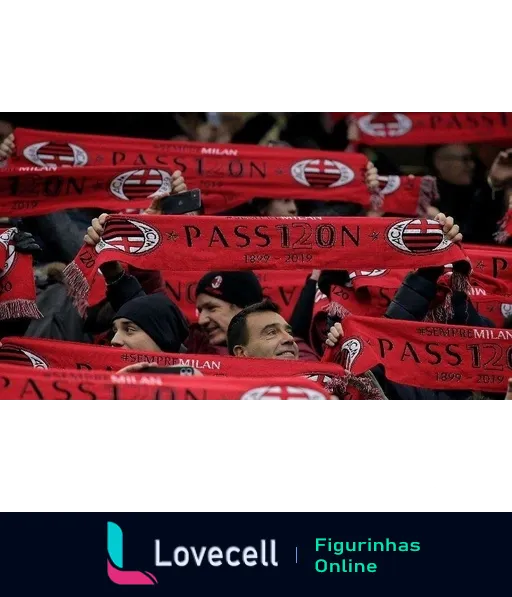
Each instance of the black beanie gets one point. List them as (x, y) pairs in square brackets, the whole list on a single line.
[(159, 317), (238, 288)]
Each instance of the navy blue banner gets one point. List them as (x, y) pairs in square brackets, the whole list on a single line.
[(255, 554)]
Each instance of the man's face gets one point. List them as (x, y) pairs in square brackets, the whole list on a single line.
[(455, 164), (281, 208), (269, 337), (128, 335), (215, 316)]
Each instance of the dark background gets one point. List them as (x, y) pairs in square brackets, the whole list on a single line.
[(65, 554)]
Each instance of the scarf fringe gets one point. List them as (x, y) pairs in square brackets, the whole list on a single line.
[(19, 309), (444, 313), (337, 311), (502, 235), (429, 194), (339, 386), (77, 287), (376, 200)]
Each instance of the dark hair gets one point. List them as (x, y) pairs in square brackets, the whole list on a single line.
[(237, 329)]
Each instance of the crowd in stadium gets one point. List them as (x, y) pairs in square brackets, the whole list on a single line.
[(251, 314)]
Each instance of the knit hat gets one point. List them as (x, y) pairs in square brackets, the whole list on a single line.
[(159, 317), (238, 288)]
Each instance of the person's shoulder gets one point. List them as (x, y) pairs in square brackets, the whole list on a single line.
[(306, 353)]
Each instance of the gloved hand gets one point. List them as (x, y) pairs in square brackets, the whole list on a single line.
[(25, 243)]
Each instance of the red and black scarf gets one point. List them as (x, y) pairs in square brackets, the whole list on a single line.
[(50, 354), (434, 356), (433, 128), (62, 384), (17, 286), (123, 172), (181, 243)]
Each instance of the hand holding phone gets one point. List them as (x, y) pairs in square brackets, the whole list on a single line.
[(181, 203)]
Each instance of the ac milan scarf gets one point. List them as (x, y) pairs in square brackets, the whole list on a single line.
[(434, 356), (61, 384), (17, 286), (228, 175), (46, 354), (435, 128), (370, 301), (181, 243), (405, 195), (493, 261)]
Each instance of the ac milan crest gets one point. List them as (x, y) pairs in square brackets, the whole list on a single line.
[(388, 184), (282, 393), (417, 236), (216, 282), (506, 309), (390, 124), (371, 274), (10, 261), (141, 184), (14, 355), (350, 350), (129, 236), (322, 174), (320, 378), (5, 239), (51, 155)]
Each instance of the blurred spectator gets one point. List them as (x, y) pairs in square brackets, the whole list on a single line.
[(464, 192)]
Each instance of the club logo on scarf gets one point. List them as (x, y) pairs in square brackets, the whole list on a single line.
[(48, 154), (139, 184), (371, 274), (321, 378), (506, 309), (282, 393), (5, 237), (385, 124), (13, 355), (389, 184), (129, 236), (325, 174), (417, 236), (350, 350), (9, 262)]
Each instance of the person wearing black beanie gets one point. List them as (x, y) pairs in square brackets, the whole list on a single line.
[(150, 323), (220, 296)]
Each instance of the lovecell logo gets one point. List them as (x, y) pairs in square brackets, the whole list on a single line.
[(115, 569), (265, 554)]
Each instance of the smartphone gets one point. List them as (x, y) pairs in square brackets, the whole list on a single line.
[(182, 203), (176, 370)]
